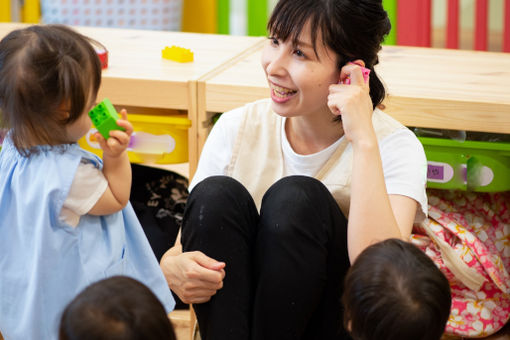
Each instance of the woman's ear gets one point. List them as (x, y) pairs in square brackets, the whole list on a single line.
[(359, 62)]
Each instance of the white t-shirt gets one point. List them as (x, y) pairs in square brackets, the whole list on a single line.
[(405, 171), (89, 184)]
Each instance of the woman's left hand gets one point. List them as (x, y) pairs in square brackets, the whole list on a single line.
[(353, 103)]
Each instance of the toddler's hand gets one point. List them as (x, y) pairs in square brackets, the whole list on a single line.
[(119, 140)]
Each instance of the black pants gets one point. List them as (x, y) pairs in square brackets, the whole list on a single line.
[(284, 267)]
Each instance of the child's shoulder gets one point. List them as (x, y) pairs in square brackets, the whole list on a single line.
[(88, 157)]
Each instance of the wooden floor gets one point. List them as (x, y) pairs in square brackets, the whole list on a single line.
[(181, 320), (182, 326)]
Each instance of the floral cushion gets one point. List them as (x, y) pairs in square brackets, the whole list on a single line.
[(468, 236)]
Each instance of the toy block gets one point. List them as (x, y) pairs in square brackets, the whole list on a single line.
[(179, 54), (103, 58), (104, 117)]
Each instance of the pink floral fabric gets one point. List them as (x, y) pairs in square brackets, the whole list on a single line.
[(476, 226)]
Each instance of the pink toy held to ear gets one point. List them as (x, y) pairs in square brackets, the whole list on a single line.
[(364, 70)]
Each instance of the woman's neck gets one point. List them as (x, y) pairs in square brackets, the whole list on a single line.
[(311, 134)]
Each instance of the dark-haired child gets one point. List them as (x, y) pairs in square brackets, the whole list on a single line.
[(117, 308), (393, 291), (65, 216)]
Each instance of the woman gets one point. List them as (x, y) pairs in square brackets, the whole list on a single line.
[(266, 241)]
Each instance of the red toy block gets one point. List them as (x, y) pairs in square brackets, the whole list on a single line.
[(103, 57)]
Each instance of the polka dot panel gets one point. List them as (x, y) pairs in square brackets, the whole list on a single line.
[(141, 14)]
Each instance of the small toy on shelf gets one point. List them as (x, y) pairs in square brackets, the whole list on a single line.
[(104, 117), (103, 57), (179, 54)]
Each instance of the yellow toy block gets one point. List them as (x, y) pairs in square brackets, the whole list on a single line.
[(179, 54)]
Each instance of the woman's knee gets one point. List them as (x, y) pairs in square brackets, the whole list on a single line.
[(216, 204), (296, 192), (292, 203), (301, 204), (217, 187)]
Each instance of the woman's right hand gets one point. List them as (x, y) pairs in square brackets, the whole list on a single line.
[(353, 103), (193, 276)]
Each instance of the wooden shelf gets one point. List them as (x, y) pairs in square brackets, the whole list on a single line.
[(179, 168), (427, 87), (137, 75)]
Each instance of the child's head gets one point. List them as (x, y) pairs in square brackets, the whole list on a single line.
[(393, 291), (353, 29), (117, 308), (50, 77)]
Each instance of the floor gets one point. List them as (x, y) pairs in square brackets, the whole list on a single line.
[(181, 319), (181, 322)]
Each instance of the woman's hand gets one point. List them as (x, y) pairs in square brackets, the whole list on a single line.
[(353, 103), (119, 140), (193, 276)]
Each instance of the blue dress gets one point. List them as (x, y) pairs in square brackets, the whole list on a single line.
[(45, 263)]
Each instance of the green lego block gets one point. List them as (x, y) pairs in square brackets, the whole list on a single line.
[(104, 117)]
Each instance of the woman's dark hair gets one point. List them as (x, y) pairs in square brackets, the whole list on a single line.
[(393, 291), (353, 29), (45, 71), (117, 308)]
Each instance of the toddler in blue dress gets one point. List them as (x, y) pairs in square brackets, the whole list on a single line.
[(66, 220)]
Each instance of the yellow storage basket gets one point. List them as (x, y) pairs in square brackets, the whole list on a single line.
[(156, 139)]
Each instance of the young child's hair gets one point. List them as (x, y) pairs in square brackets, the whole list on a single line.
[(117, 308), (393, 291), (50, 76), (353, 29)]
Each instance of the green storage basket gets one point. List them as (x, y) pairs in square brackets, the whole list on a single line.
[(469, 165)]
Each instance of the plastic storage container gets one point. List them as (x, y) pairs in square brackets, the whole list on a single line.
[(469, 165), (156, 139)]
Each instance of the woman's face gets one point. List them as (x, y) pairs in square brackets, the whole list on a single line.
[(298, 78)]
